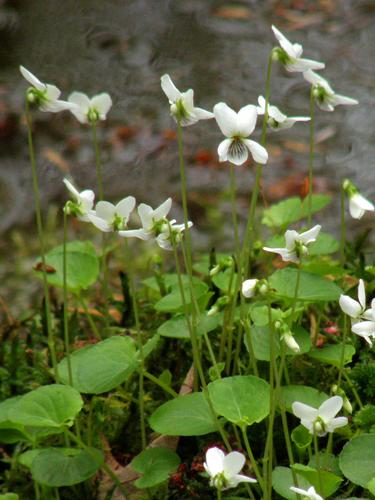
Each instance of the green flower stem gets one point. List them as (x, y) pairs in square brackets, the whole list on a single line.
[(103, 466), (268, 453), (295, 297), (91, 322), (251, 457), (317, 461), (128, 259), (98, 161), (353, 389), (249, 232), (219, 496), (342, 357), (252, 357), (227, 313), (343, 226), (233, 196), (65, 311), (38, 213), (160, 383), (311, 156), (194, 345)]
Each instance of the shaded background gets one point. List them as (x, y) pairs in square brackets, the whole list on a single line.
[(217, 47)]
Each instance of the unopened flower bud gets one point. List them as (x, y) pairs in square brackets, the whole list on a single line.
[(215, 270), (291, 342), (347, 405), (249, 288)]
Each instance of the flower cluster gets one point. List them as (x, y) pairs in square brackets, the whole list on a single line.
[(114, 218), (363, 320)]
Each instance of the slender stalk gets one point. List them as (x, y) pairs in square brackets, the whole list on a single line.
[(317, 461), (65, 311), (251, 456), (295, 297), (128, 259), (98, 161), (233, 195), (160, 383), (91, 322), (103, 466), (353, 389), (343, 226), (311, 156), (342, 357), (38, 213), (252, 357)]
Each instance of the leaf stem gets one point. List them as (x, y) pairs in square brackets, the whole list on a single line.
[(160, 383), (251, 457)]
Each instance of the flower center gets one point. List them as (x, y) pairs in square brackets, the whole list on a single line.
[(237, 148)]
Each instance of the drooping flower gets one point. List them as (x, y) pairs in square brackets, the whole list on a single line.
[(88, 110), (350, 306), (182, 104), (276, 119), (296, 244), (108, 217), (290, 341), (320, 420), (224, 469), (156, 225), (237, 127), (309, 494), (358, 204), (289, 54), (82, 205), (44, 95), (324, 95), (249, 288)]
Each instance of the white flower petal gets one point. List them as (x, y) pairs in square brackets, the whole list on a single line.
[(304, 412), (226, 119), (86, 198), (350, 306), (52, 92), (329, 408), (335, 423), (100, 223), (362, 293), (248, 287), (358, 205), (276, 114), (310, 235), (364, 328), (303, 65), (262, 105), (291, 236), (32, 79), (102, 103), (145, 213), (284, 42), (223, 148), (237, 151), (56, 106), (214, 461), (105, 210), (188, 100), (258, 152), (71, 188), (316, 79), (162, 210), (239, 478), (202, 114), (341, 99), (136, 233), (169, 88), (246, 120), (125, 206), (233, 463)]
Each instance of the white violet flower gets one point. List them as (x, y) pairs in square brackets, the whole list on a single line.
[(309, 494), (276, 119), (182, 104), (324, 95), (108, 217), (320, 420), (290, 341), (224, 469), (358, 204), (366, 329), (350, 306), (249, 288), (237, 127), (88, 110), (156, 225), (44, 95), (296, 244), (289, 54), (83, 202)]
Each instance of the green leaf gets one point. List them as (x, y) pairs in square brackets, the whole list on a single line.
[(223, 279), (172, 302), (27, 458), (54, 406), (331, 354), (260, 336), (357, 459), (301, 437), (101, 367), (188, 415), (82, 265), (302, 393), (9, 496), (293, 209), (282, 480), (243, 399), (202, 266), (371, 486), (330, 482), (176, 327), (156, 464), (56, 467), (311, 287), (327, 461)]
